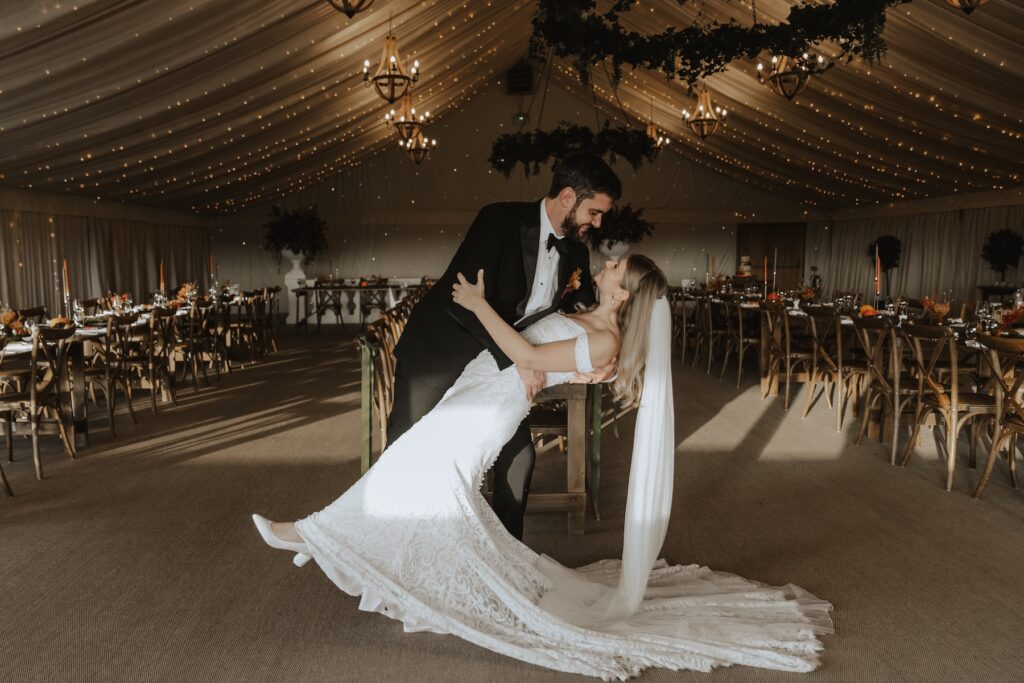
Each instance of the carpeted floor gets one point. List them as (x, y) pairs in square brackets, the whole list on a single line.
[(138, 561)]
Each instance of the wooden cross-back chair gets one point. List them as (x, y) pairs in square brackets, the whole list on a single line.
[(377, 386), (713, 332), (112, 363), (742, 335), (91, 306), (45, 394), (198, 344), (886, 379), (7, 434), (37, 314), (243, 335), (784, 356), (823, 329), (272, 294), (683, 328), (722, 320), (13, 371), (939, 392), (1006, 358), (163, 334), (696, 326)]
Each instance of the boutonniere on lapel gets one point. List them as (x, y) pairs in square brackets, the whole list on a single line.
[(573, 284)]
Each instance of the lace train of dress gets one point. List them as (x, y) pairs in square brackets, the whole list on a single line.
[(416, 539)]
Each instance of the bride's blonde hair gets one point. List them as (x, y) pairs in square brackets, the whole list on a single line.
[(645, 283)]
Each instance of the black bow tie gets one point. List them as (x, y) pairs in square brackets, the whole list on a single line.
[(559, 245)]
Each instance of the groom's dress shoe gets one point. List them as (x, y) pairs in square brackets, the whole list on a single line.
[(302, 555)]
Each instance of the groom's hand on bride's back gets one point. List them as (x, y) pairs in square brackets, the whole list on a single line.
[(598, 375)]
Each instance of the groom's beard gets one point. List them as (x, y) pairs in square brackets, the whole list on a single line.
[(570, 228)]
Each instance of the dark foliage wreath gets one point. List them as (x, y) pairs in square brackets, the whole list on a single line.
[(575, 29), (536, 147), (621, 224)]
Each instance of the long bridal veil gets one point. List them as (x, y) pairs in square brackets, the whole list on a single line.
[(648, 503)]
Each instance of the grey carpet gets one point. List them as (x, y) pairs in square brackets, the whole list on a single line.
[(138, 561)]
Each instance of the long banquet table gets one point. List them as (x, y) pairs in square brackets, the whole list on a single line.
[(77, 353)]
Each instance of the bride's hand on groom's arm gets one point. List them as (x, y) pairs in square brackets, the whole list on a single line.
[(598, 375), (468, 295)]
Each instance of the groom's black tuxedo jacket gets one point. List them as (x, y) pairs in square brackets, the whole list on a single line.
[(503, 240)]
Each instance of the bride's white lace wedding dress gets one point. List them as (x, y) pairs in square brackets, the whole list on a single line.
[(416, 539)]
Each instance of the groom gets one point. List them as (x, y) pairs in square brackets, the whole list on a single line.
[(534, 264)]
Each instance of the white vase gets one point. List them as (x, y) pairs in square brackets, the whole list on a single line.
[(613, 250), (292, 280)]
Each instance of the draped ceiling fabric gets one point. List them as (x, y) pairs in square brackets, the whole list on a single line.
[(223, 107), (218, 104)]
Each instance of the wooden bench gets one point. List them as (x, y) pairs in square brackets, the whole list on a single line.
[(579, 421)]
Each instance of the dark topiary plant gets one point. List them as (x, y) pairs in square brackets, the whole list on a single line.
[(1002, 250), (301, 231), (889, 251), (621, 224)]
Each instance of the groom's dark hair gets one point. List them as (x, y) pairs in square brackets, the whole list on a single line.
[(587, 174)]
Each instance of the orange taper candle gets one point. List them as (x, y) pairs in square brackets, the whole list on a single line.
[(878, 273)]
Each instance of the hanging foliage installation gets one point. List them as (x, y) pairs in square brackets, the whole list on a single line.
[(536, 147), (575, 29)]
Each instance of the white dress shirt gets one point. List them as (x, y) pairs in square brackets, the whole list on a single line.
[(545, 279)]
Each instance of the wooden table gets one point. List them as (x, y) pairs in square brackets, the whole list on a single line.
[(583, 402), (78, 351), (998, 293), (332, 297)]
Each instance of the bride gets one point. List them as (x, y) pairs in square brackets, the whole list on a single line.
[(416, 539)]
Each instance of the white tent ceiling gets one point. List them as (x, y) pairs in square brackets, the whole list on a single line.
[(216, 105)]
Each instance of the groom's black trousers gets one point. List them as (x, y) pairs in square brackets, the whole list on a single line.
[(418, 390)]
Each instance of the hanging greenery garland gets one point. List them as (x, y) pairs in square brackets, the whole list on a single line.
[(575, 29), (536, 147)]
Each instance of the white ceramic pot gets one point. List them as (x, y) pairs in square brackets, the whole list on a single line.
[(613, 250), (292, 280)]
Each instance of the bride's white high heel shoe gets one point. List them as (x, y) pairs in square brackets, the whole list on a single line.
[(302, 555)]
